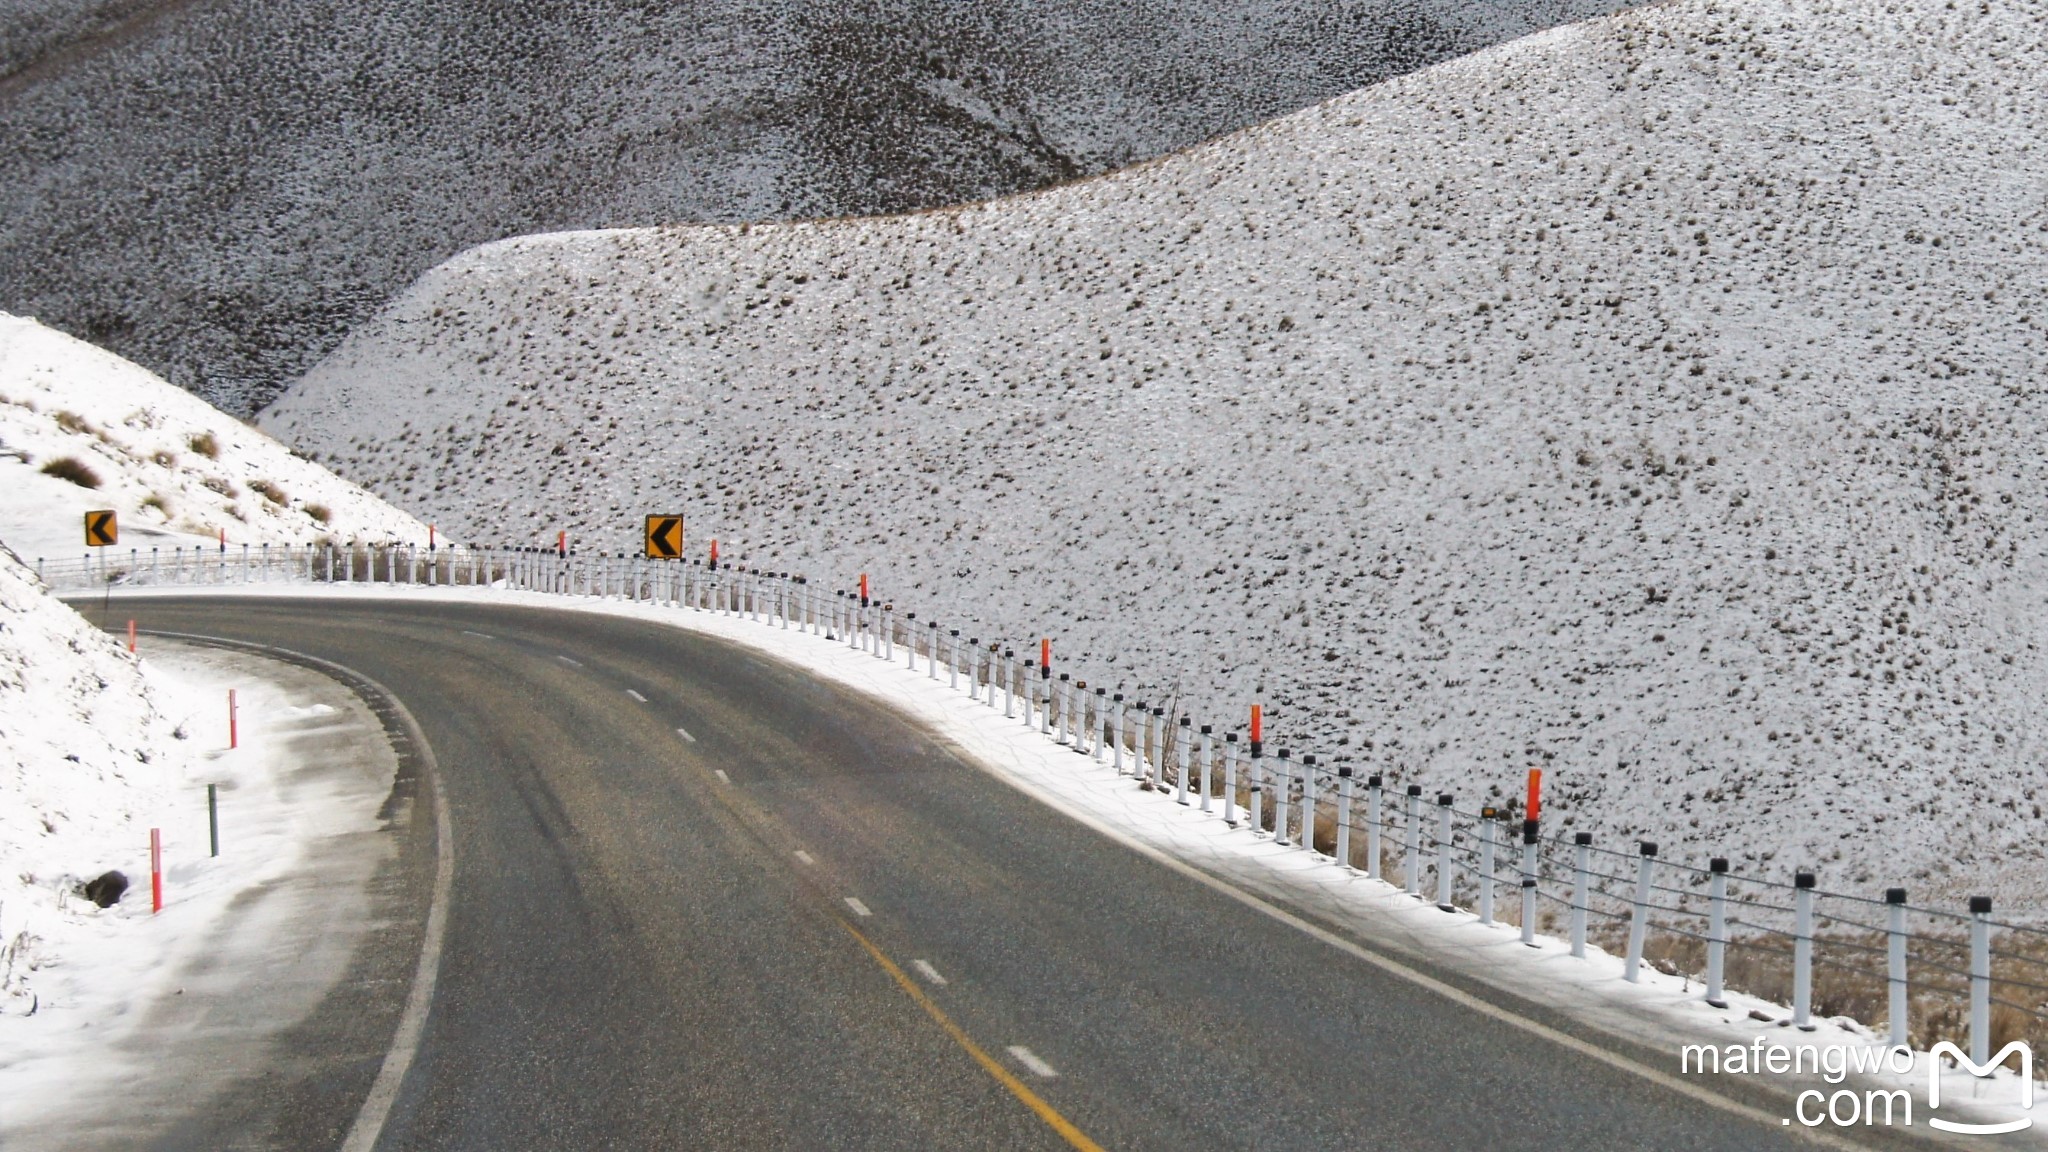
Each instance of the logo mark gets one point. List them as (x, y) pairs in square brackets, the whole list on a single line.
[(1981, 1071)]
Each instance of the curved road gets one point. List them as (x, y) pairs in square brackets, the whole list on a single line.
[(703, 901)]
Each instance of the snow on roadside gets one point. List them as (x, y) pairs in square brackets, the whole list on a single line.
[(94, 751), (177, 470), (1655, 400)]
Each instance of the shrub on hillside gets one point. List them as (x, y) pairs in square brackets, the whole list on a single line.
[(73, 469), (204, 444), (268, 491)]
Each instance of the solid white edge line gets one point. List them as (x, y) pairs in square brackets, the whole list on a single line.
[(1397, 968), (478, 635), (368, 1125), (804, 857), (722, 777), (1030, 1060), (566, 660), (685, 735), (636, 696), (931, 974), (859, 909)]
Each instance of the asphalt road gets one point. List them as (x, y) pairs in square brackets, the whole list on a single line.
[(796, 926)]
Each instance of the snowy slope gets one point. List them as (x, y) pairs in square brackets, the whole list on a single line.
[(91, 751), (175, 469), (220, 191), (1655, 399)]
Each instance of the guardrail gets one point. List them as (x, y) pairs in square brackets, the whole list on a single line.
[(1928, 974)]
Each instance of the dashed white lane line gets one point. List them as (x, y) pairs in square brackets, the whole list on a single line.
[(478, 635), (804, 857), (931, 974), (636, 696), (859, 909), (1030, 1060), (685, 735), (571, 663), (722, 777)]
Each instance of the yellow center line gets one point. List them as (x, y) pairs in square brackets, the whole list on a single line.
[(1018, 1088)]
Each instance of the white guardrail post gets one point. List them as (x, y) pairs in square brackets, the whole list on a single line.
[(1444, 868), (1283, 784), (1375, 796), (1230, 779), (1488, 818), (1308, 803), (1257, 790), (1717, 929), (1411, 868), (1532, 838), (1582, 858), (1802, 951), (1344, 786), (1180, 785), (1895, 964), (1639, 914), (1980, 979)]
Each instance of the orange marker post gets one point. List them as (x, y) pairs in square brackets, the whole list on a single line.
[(156, 871), (430, 538), (863, 589), (233, 736), (1530, 816), (131, 636), (1258, 723), (714, 553), (562, 544)]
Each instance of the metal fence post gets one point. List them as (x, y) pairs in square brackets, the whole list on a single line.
[(1531, 841), (1009, 692), (1444, 867), (1717, 929), (1411, 868), (1205, 759), (1257, 791), (1980, 978), (1230, 779), (1582, 853), (1639, 916), (1895, 963), (974, 669), (1487, 817), (1802, 951), (1065, 695), (1119, 730), (953, 659), (1283, 778), (1155, 746), (1308, 804), (1344, 815), (1101, 720), (1180, 785), (1375, 790)]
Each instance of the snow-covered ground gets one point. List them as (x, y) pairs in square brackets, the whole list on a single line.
[(157, 1010), (1654, 399), (177, 470)]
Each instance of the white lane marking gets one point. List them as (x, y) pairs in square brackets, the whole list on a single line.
[(722, 777), (804, 856), (573, 663), (636, 696), (478, 635), (686, 735), (1029, 1059), (859, 909), (925, 969)]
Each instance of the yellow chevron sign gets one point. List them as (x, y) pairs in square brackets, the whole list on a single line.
[(101, 529), (664, 537)]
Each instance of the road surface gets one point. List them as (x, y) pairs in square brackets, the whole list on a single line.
[(704, 901)]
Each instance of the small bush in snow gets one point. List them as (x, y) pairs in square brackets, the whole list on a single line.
[(73, 469), (205, 445), (268, 491)]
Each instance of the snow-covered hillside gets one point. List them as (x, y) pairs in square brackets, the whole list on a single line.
[(1657, 399), (220, 191), (90, 752), (175, 469)]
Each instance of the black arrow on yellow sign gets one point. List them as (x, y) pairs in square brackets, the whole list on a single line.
[(100, 529), (664, 537)]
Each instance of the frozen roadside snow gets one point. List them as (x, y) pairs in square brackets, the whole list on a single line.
[(99, 1007), (1656, 400), (1660, 1015), (176, 469)]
